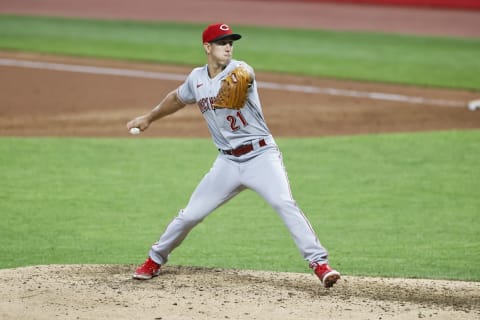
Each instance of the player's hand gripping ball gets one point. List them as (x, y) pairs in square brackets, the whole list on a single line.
[(135, 131), (233, 92)]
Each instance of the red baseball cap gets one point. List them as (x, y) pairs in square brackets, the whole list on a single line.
[(219, 31)]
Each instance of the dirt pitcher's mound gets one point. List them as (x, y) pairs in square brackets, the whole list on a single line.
[(108, 292)]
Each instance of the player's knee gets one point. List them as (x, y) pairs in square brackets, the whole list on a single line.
[(280, 204), (189, 218)]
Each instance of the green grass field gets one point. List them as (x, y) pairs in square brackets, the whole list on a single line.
[(396, 205), (399, 205), (418, 60)]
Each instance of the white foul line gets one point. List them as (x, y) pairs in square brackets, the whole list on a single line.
[(90, 69), (261, 84), (362, 94)]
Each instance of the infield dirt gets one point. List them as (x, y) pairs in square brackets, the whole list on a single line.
[(55, 103), (109, 292)]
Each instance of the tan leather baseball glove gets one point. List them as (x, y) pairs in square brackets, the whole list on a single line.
[(233, 92)]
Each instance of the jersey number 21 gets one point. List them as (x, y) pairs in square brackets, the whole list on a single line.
[(234, 123)]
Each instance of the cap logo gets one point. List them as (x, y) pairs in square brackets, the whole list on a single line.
[(224, 27)]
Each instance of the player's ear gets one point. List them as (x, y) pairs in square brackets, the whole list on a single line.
[(207, 47)]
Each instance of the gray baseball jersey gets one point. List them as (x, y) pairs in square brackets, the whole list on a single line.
[(229, 128)]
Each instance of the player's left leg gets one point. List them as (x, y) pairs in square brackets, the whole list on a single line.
[(267, 176)]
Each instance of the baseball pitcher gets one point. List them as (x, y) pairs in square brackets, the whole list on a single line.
[(225, 91)]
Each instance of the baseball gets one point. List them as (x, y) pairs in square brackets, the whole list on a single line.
[(135, 131), (474, 105)]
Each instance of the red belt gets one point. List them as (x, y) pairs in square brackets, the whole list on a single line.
[(243, 149)]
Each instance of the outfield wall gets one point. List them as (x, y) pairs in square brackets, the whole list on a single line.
[(454, 4)]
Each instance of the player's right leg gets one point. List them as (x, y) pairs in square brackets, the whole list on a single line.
[(218, 186)]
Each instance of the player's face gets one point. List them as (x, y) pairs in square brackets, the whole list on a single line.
[(222, 51)]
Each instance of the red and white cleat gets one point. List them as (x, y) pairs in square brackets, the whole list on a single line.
[(147, 270), (327, 275)]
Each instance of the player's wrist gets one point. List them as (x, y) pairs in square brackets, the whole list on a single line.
[(150, 117)]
